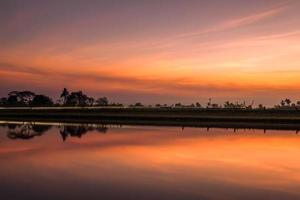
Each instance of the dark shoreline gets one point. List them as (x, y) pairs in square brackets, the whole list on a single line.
[(255, 119)]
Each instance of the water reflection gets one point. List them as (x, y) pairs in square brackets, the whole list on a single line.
[(26, 131), (78, 131), (141, 162), (29, 130)]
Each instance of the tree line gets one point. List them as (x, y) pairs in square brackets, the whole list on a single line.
[(67, 98), (78, 98)]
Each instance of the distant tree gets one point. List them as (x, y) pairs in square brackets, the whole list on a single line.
[(237, 105), (214, 105), (250, 106), (298, 103), (64, 95), (288, 102), (138, 104), (82, 99), (103, 101), (282, 103), (209, 103), (3, 101), (42, 100), (12, 100), (192, 105), (261, 107), (77, 99), (116, 104), (157, 105), (90, 101), (178, 105), (20, 97), (227, 104), (198, 105), (72, 99)]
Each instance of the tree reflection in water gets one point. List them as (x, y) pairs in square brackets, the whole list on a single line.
[(26, 131), (29, 130), (78, 131)]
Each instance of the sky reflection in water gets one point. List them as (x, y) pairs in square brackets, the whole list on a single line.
[(136, 162)]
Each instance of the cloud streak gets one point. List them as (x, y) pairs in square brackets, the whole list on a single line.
[(238, 22), (183, 85)]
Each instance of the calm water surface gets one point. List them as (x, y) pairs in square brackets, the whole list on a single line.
[(59, 161)]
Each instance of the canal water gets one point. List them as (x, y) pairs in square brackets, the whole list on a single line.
[(76, 161)]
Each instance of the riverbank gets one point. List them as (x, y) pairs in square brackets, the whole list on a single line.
[(194, 117)]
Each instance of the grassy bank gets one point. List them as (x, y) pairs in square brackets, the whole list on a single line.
[(226, 118)]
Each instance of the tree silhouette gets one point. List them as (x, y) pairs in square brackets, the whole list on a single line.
[(90, 101), (178, 105), (138, 104), (20, 98), (261, 107), (3, 101), (64, 95), (288, 102), (103, 101), (282, 103), (41, 100), (12, 100), (198, 105), (78, 99)]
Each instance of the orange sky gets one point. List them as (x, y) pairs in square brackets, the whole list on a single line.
[(153, 51)]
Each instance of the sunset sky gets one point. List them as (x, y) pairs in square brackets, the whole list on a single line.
[(154, 51)]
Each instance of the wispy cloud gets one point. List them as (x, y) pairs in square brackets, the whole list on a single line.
[(21, 69), (239, 22), (279, 35), (141, 84)]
